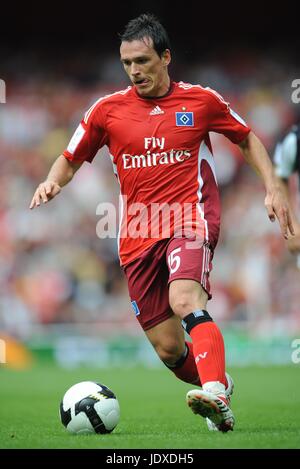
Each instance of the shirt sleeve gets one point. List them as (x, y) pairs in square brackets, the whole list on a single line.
[(223, 120), (285, 156), (88, 138)]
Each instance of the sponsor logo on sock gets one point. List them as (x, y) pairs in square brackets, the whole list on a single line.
[(200, 356)]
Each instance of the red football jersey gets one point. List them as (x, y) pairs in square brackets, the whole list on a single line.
[(162, 157)]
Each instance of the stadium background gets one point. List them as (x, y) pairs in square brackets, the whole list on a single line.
[(63, 294)]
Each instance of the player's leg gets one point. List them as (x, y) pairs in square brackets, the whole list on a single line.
[(188, 295), (169, 343), (212, 402), (188, 300), (148, 289)]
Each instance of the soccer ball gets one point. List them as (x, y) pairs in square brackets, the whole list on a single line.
[(89, 407)]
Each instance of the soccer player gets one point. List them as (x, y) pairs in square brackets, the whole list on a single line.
[(287, 163), (157, 132)]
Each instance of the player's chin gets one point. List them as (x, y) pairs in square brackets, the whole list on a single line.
[(145, 89)]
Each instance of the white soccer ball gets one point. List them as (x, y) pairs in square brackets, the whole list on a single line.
[(89, 407)]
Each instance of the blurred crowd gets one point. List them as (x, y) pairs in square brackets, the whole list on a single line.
[(54, 268)]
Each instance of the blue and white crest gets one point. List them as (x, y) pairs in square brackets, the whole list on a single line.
[(184, 119), (135, 308)]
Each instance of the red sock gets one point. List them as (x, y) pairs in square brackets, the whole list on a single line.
[(188, 371), (209, 353)]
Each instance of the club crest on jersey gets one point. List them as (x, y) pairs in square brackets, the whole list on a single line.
[(135, 308), (184, 119)]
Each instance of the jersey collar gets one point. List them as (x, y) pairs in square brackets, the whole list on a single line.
[(170, 91)]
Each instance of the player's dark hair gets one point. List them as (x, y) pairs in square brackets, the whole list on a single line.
[(147, 25)]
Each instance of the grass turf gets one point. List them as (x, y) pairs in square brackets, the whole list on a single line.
[(266, 404)]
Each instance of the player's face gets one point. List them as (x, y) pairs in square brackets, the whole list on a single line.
[(147, 71)]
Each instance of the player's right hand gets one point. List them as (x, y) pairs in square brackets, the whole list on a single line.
[(46, 191)]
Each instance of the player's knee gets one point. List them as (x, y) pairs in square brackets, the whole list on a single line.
[(182, 306), (169, 352), (185, 304), (184, 301)]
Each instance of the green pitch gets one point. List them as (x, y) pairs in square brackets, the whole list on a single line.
[(266, 404)]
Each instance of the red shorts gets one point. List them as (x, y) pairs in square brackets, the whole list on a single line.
[(148, 276)]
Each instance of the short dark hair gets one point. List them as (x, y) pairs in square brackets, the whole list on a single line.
[(147, 25)]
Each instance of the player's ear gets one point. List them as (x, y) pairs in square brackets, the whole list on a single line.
[(166, 57)]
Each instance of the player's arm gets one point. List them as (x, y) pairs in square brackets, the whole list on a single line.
[(87, 139), (285, 164), (276, 202), (61, 172)]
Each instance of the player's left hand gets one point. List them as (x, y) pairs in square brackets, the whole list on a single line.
[(278, 207)]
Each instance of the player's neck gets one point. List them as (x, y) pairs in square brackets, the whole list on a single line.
[(164, 88)]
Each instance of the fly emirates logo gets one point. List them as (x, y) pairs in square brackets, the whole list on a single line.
[(154, 155)]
